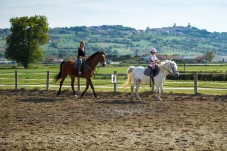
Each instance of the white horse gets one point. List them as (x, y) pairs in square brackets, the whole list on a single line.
[(136, 76)]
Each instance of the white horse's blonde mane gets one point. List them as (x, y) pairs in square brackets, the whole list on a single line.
[(162, 63), (166, 61)]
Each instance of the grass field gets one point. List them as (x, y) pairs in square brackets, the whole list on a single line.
[(37, 76), (119, 68)]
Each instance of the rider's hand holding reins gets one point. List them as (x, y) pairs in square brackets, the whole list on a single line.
[(83, 58)]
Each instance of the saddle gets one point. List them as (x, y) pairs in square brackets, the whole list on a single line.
[(76, 65), (150, 72)]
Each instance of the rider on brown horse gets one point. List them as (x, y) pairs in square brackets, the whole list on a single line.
[(68, 68), (81, 56)]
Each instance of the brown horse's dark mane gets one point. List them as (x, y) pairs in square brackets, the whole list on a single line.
[(89, 58)]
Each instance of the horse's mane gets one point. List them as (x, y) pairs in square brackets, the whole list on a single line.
[(89, 58), (166, 61)]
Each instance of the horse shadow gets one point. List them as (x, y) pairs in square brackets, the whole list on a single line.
[(120, 102), (41, 100)]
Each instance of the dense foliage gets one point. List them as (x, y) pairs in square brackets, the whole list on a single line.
[(125, 41), (22, 44)]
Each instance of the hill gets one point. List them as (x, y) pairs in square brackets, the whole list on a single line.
[(117, 40)]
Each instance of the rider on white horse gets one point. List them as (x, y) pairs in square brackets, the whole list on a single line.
[(154, 59), (136, 76)]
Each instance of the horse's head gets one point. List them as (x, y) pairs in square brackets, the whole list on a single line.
[(102, 58), (97, 57), (174, 69), (171, 67)]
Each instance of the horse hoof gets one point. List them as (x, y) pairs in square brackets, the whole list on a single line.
[(160, 99), (139, 99), (76, 96), (97, 97)]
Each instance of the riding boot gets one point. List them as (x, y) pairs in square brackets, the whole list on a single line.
[(152, 75), (75, 65), (152, 72), (79, 69)]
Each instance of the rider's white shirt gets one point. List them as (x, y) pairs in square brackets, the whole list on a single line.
[(153, 57)]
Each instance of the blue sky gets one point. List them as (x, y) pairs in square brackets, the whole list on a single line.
[(139, 14)]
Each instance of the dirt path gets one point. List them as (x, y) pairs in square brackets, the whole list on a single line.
[(37, 120)]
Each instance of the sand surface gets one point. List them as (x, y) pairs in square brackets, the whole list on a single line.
[(40, 120)]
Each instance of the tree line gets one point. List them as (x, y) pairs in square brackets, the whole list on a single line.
[(30, 40)]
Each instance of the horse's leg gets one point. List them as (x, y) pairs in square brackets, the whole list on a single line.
[(61, 82), (92, 87), (137, 89), (87, 85), (132, 88), (158, 92), (162, 91), (161, 88), (72, 83)]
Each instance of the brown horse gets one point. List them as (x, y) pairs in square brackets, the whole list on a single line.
[(67, 68)]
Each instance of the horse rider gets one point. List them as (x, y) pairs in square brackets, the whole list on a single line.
[(153, 59), (81, 56)]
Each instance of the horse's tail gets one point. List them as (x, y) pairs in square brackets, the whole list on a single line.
[(129, 73), (58, 76)]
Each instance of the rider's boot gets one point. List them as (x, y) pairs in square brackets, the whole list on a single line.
[(79, 69)]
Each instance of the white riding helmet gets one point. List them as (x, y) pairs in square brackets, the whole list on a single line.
[(153, 50)]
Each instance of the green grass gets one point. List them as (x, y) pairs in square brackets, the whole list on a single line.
[(109, 69), (203, 68), (37, 76)]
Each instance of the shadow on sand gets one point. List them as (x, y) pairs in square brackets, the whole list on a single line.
[(40, 100), (120, 102)]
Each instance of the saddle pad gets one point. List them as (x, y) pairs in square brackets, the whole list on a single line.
[(148, 71), (76, 64)]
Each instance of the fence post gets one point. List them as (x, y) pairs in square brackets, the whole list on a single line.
[(78, 83), (195, 82), (114, 81), (225, 75), (16, 80), (48, 80)]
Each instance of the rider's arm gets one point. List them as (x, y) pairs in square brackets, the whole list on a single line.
[(154, 59), (157, 61), (82, 57)]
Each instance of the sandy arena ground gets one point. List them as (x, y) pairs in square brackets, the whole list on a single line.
[(40, 120)]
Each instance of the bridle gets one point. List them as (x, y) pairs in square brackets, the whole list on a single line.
[(97, 68), (100, 61), (173, 69)]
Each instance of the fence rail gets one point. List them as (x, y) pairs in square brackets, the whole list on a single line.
[(113, 77)]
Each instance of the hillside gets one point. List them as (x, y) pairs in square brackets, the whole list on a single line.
[(119, 40)]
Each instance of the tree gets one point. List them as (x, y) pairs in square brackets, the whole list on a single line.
[(209, 55), (27, 34)]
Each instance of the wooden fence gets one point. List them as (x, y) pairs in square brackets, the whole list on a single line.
[(114, 76)]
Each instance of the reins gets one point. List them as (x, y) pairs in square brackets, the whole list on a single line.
[(168, 70), (95, 71), (85, 62)]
